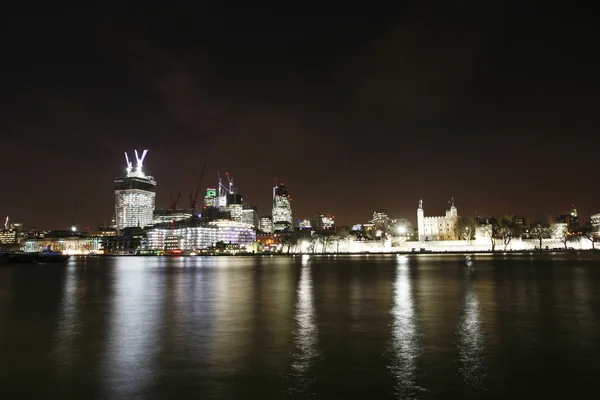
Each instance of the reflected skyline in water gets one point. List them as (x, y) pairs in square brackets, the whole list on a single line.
[(471, 338), (132, 345), (68, 324), (305, 334), (371, 326), (406, 341)]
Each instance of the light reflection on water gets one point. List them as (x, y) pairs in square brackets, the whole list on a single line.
[(406, 341), (471, 339), (67, 328), (305, 336), (360, 327), (133, 340), (233, 318)]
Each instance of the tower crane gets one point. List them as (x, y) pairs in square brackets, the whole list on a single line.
[(230, 180), (195, 198), (174, 200)]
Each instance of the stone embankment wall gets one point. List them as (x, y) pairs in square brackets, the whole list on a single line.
[(354, 246)]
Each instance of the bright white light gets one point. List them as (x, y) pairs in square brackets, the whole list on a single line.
[(401, 230), (73, 228)]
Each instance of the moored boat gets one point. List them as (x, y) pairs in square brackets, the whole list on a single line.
[(48, 255), (13, 257)]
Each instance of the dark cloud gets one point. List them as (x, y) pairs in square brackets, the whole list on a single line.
[(490, 103)]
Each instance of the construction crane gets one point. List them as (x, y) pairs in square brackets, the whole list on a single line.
[(174, 200), (195, 198), (230, 180)]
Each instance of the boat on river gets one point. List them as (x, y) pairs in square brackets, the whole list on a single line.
[(49, 255), (21, 257)]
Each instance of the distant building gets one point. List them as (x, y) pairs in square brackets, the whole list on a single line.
[(11, 232), (282, 209), (214, 213), (67, 241), (379, 215), (595, 220), (234, 206), (131, 241), (381, 221), (571, 220), (320, 222), (210, 198), (162, 216), (196, 235), (304, 224), (8, 236), (135, 196), (250, 215), (103, 231), (266, 224), (437, 228)]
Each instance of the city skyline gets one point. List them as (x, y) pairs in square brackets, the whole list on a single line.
[(489, 104), (440, 206)]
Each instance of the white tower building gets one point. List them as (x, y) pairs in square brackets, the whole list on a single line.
[(440, 227), (135, 195)]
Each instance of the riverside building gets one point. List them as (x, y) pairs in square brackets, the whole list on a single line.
[(439, 227), (195, 235)]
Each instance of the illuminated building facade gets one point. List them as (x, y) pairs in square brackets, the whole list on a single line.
[(266, 224), (321, 222), (595, 220), (66, 241), (250, 215), (162, 216), (437, 228), (304, 224), (11, 232), (234, 206), (380, 215), (8, 236), (210, 199), (135, 196), (201, 236), (282, 209)]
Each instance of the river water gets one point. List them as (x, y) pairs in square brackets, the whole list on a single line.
[(323, 327)]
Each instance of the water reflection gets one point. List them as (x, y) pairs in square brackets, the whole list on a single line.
[(132, 342), (231, 340), (67, 328), (471, 339), (305, 336), (406, 341)]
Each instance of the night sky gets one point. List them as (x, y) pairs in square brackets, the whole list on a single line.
[(354, 110)]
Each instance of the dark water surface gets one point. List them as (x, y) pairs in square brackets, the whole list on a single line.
[(343, 327)]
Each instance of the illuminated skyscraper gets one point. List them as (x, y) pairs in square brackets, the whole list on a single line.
[(210, 199), (250, 215), (135, 196), (265, 224), (282, 209)]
